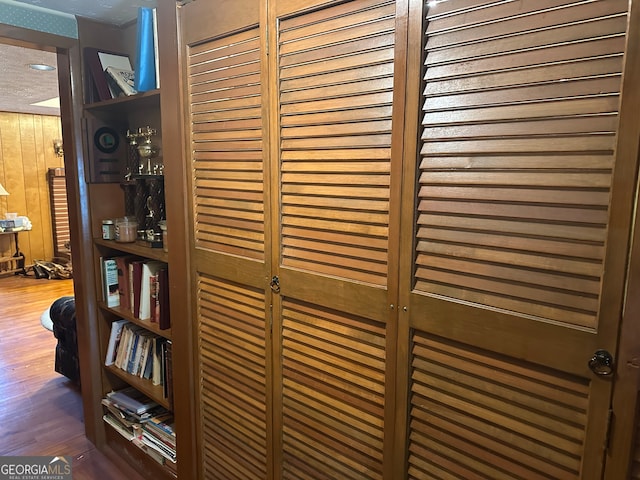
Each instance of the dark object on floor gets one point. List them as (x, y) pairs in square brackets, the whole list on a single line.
[(63, 316), (52, 270)]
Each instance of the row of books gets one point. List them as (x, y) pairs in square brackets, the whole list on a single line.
[(138, 285), (142, 421), (141, 353), (111, 73)]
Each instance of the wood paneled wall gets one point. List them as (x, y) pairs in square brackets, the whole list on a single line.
[(26, 154)]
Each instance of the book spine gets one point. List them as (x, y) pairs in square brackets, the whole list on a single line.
[(114, 341), (136, 287), (111, 288), (124, 346), (154, 303), (134, 351), (158, 357), (168, 372), (164, 321), (156, 56), (123, 282), (96, 73), (145, 63)]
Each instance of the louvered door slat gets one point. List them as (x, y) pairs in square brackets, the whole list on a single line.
[(531, 40), (331, 51), (524, 94), (221, 85), (542, 110), (323, 81), (551, 128), (488, 11), (541, 15), (577, 68), (548, 162), (330, 29), (227, 145), (594, 48), (551, 136), (593, 234)]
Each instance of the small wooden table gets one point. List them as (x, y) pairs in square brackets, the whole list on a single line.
[(17, 260)]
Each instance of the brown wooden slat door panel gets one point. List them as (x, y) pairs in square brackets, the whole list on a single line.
[(232, 377), (338, 176), (333, 394), (516, 232), (480, 415), (336, 140), (225, 79), (516, 275)]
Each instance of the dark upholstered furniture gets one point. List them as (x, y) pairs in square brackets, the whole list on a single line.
[(63, 317)]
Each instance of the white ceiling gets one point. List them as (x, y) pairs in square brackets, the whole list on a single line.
[(21, 86)]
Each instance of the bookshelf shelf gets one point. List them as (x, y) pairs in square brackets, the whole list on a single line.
[(134, 248), (125, 104), (154, 392), (127, 315)]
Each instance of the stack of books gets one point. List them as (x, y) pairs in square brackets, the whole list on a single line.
[(142, 421), (127, 410), (158, 435)]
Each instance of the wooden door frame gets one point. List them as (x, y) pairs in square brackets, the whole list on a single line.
[(69, 81), (626, 393), (624, 406), (172, 66)]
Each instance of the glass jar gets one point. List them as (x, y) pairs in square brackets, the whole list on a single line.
[(108, 229), (126, 229)]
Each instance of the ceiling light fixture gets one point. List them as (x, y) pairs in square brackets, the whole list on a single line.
[(41, 67), (52, 103)]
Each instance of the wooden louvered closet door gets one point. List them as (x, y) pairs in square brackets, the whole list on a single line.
[(293, 178), (225, 83), (338, 102), (513, 272)]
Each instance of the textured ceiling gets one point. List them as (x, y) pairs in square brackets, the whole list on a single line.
[(109, 11), (20, 86)]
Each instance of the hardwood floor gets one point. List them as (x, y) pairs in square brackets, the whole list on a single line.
[(41, 410)]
